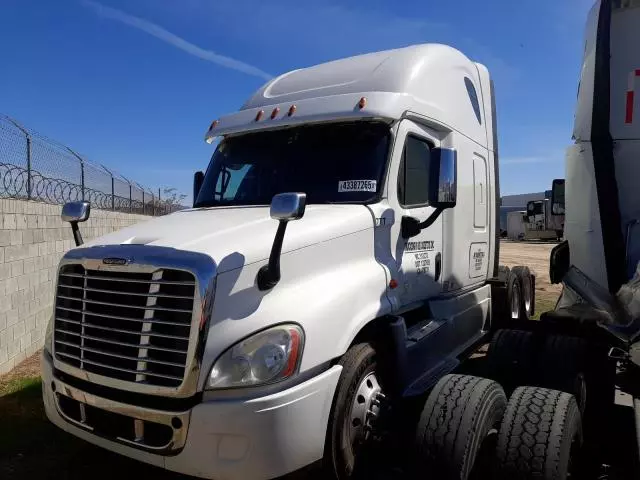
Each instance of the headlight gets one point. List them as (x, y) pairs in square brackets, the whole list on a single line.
[(265, 357)]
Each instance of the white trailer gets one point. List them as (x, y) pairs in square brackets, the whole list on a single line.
[(516, 225)]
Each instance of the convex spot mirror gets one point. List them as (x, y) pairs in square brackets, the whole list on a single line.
[(284, 208), (288, 206), (75, 212), (198, 180)]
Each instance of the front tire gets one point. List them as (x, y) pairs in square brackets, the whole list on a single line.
[(355, 408)]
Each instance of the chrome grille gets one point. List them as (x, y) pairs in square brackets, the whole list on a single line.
[(125, 325)]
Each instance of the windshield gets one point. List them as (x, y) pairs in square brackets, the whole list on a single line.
[(331, 163)]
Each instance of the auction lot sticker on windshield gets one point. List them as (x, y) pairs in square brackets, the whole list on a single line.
[(357, 186)]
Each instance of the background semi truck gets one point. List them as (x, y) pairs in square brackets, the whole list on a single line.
[(222, 343), (542, 221)]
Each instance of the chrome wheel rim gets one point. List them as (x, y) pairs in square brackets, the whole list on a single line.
[(515, 303), (526, 294), (365, 409)]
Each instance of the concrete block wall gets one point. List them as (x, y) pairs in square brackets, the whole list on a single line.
[(32, 241)]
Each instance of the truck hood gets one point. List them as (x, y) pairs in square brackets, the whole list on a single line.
[(224, 232)]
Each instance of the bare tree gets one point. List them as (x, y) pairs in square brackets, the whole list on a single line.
[(173, 199)]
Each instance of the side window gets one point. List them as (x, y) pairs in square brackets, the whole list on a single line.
[(473, 96), (413, 177)]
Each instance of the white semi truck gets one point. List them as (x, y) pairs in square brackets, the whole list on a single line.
[(222, 343), (541, 222)]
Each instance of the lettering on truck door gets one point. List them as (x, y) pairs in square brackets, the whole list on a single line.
[(417, 258)]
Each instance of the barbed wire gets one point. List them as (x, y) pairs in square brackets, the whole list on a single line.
[(35, 167)]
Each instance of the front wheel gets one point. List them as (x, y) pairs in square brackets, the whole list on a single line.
[(354, 413)]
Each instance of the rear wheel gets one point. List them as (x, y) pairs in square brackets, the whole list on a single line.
[(540, 436), (526, 290), (514, 296), (354, 413), (564, 363), (458, 427), (511, 358)]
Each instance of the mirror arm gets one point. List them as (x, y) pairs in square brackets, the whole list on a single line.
[(77, 236), (432, 218), (269, 275)]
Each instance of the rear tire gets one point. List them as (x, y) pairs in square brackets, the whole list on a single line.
[(511, 358), (459, 420), (564, 363), (540, 436)]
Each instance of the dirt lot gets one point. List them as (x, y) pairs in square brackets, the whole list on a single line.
[(30, 447), (534, 255)]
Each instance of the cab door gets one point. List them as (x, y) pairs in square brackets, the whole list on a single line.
[(418, 260)]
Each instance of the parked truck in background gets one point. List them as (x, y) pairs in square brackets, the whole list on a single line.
[(543, 220), (222, 343)]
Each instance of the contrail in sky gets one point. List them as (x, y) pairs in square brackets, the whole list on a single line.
[(172, 39)]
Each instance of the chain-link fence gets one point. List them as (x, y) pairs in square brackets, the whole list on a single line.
[(34, 167)]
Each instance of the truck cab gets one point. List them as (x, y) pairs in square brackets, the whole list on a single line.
[(543, 220), (346, 226)]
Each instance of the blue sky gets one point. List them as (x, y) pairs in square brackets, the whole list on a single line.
[(134, 84)]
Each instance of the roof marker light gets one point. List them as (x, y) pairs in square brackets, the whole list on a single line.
[(259, 115), (214, 124), (362, 103), (275, 112), (292, 110)]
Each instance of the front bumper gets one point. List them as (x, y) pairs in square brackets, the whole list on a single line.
[(258, 438)]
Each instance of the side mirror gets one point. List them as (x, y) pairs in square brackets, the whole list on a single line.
[(557, 197), (288, 206), (443, 174), (443, 190), (559, 262), (285, 207), (198, 179), (74, 213)]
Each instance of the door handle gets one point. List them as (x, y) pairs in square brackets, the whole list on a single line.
[(438, 266)]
